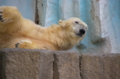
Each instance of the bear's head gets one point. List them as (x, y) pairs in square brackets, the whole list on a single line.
[(66, 34), (74, 25)]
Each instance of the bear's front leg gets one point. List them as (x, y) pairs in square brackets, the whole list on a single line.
[(25, 44), (9, 14)]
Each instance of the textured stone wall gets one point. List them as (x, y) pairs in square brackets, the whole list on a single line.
[(101, 16), (41, 64)]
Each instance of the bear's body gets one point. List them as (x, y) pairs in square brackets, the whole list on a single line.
[(16, 31)]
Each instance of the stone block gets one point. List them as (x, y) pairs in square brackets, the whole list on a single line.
[(66, 65), (100, 66), (26, 64)]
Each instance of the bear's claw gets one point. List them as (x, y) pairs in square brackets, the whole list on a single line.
[(1, 18), (17, 45), (1, 11)]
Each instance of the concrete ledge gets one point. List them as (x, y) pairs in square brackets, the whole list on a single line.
[(66, 65), (100, 66), (43, 64), (26, 64)]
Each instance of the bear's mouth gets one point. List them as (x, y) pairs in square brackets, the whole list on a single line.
[(79, 35)]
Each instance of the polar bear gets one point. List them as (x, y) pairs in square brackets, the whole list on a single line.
[(16, 31)]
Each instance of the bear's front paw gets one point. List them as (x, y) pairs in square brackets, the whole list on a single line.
[(23, 44), (4, 15)]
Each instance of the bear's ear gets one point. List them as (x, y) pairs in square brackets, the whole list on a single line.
[(62, 23)]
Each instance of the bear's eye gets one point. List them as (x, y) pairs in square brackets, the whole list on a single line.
[(76, 22)]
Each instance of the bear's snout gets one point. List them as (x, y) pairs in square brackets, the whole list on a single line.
[(81, 32)]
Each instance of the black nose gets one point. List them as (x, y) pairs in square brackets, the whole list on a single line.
[(81, 31)]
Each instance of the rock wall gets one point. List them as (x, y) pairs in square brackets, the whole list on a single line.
[(42, 64), (101, 16)]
